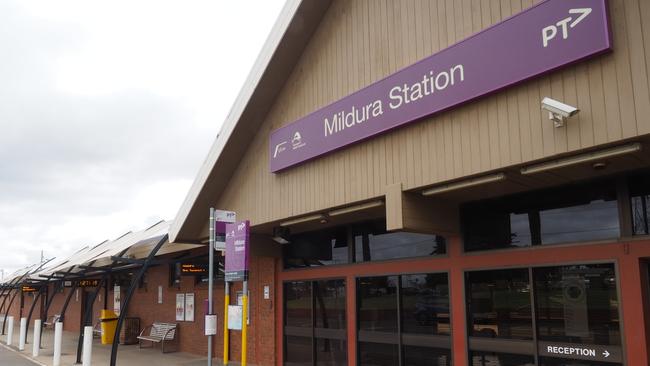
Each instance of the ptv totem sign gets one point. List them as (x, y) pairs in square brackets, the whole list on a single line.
[(237, 249)]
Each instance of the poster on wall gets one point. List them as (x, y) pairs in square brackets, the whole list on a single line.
[(189, 307), (117, 300), (180, 307), (234, 317)]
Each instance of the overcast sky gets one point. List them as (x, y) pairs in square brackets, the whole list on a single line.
[(107, 110)]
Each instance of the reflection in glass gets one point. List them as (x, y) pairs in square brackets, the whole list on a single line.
[(595, 220), (297, 351), (640, 201), (318, 248), (424, 356), (425, 304), (576, 213), (500, 359), (329, 298), (378, 354), (379, 245), (577, 304), (331, 352), (640, 215), (549, 361), (297, 304), (377, 301), (499, 304)]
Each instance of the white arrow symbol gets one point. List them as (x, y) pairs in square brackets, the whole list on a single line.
[(584, 11), (606, 354)]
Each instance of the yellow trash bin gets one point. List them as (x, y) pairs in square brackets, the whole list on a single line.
[(108, 320)]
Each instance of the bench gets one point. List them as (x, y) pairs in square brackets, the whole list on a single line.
[(163, 333), (52, 320)]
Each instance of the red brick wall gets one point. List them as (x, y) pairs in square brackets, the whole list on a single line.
[(261, 340), (144, 305)]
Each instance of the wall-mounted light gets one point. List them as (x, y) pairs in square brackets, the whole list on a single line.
[(595, 156), (281, 235), (464, 184), (303, 219), (360, 207)]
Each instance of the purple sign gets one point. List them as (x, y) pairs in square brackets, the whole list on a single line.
[(237, 247), (543, 38)]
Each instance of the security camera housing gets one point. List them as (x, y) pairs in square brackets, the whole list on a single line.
[(558, 111)]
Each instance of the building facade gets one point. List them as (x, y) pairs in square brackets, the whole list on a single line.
[(479, 232), (454, 222)]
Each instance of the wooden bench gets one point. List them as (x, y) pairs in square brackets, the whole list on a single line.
[(163, 333), (52, 320)]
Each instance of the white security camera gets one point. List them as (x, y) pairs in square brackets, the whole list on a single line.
[(558, 111)]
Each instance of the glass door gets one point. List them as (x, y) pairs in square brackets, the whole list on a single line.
[(315, 323)]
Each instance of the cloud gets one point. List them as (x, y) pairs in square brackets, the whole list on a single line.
[(107, 111)]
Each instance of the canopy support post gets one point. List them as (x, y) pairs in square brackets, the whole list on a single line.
[(88, 318), (31, 310), (129, 294)]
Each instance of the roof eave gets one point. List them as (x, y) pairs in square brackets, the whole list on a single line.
[(262, 73)]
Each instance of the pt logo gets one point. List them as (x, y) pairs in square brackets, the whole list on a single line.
[(279, 148), (550, 32)]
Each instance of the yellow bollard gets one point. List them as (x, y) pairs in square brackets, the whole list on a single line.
[(225, 325), (244, 327)]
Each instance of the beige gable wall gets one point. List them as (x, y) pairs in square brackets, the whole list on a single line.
[(361, 41)]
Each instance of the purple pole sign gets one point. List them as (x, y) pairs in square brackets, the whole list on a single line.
[(237, 247), (543, 38)]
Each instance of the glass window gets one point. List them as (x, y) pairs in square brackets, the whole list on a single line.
[(382, 246), (330, 304), (500, 359), (425, 304), (370, 242), (577, 304), (561, 215), (314, 249), (377, 297), (297, 351), (378, 354), (315, 322), (576, 308), (297, 304), (331, 352), (499, 304), (548, 361), (417, 305), (424, 356), (640, 204)]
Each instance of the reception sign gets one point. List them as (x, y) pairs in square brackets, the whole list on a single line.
[(237, 247), (543, 38)]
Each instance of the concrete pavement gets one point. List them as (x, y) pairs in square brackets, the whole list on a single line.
[(127, 355), (10, 357)]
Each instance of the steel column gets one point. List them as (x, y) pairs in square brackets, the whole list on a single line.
[(129, 294), (88, 317), (31, 310)]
